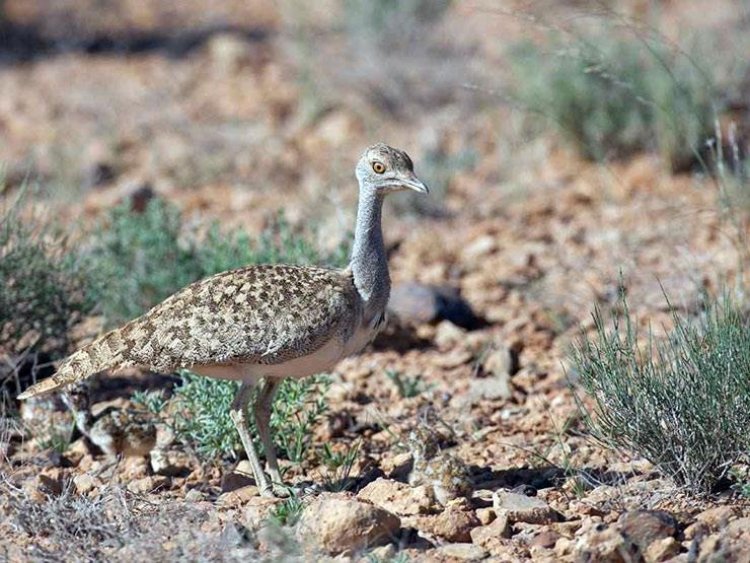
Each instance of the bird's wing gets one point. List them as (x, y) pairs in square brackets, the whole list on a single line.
[(258, 314)]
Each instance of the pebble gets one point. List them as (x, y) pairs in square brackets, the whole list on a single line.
[(340, 525)]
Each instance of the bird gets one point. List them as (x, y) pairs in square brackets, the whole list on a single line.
[(263, 323), (446, 476)]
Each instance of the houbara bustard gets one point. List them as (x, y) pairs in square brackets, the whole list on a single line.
[(260, 324)]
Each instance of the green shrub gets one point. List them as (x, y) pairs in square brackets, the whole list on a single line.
[(381, 19), (44, 288), (202, 419), (682, 403), (612, 95), (140, 258), (44, 293)]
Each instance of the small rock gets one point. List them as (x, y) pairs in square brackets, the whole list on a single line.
[(604, 544), (454, 524), (713, 519), (257, 510), (479, 247), (398, 498), (341, 525), (413, 303), (195, 495), (228, 51), (236, 480), (489, 537), (148, 484), (489, 388), (383, 553), (520, 508), (447, 335), (643, 527), (462, 552), (662, 550), (545, 538), (171, 463), (85, 483), (416, 303), (237, 497), (485, 515)]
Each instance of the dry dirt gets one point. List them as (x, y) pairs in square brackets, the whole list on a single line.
[(532, 236)]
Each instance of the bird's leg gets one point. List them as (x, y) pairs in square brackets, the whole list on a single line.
[(238, 413), (263, 404)]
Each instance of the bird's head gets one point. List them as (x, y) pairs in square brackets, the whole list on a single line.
[(384, 169)]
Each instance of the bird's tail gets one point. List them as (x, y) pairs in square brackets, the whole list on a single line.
[(103, 353)]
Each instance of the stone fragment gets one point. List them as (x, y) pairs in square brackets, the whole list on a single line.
[(603, 544), (171, 463), (521, 508), (454, 524), (148, 484), (709, 520), (662, 550), (416, 303), (490, 536), (85, 483), (257, 510), (485, 515), (643, 527), (345, 525), (398, 498), (236, 479), (237, 497), (478, 248), (447, 335), (195, 495), (546, 538), (462, 552), (383, 553)]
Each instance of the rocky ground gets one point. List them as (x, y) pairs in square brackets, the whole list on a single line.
[(225, 124)]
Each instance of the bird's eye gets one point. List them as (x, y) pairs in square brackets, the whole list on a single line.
[(378, 167)]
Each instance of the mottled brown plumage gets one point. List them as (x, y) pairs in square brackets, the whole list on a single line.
[(255, 315), (263, 322)]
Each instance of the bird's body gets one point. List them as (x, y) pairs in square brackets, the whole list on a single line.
[(263, 322)]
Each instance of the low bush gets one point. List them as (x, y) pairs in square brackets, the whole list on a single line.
[(201, 416), (615, 93), (45, 292), (682, 403), (140, 258)]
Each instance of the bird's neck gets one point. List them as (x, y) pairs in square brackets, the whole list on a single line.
[(369, 262)]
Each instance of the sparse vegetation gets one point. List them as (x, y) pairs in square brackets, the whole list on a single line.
[(619, 92), (129, 252), (407, 386), (287, 513), (338, 464), (115, 526), (44, 294), (202, 421), (682, 403)]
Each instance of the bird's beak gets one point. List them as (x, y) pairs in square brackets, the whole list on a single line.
[(414, 183)]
